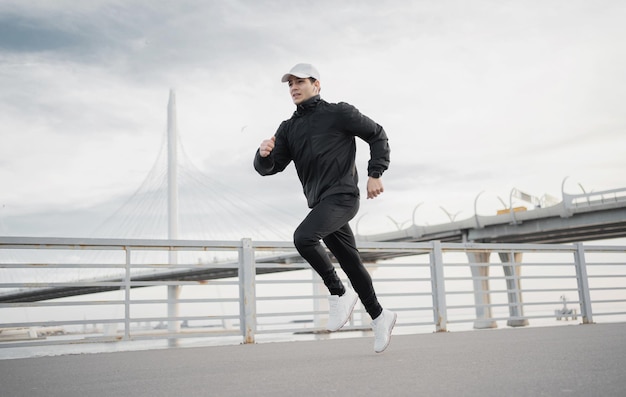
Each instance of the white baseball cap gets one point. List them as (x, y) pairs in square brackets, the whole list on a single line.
[(302, 70)]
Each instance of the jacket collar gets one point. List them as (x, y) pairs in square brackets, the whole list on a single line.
[(307, 106)]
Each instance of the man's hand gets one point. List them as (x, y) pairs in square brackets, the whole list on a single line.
[(374, 187), (267, 146)]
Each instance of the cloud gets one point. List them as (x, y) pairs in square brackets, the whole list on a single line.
[(474, 96)]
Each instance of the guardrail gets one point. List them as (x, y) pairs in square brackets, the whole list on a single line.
[(593, 198), (269, 294)]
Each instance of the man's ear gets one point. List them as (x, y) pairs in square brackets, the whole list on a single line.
[(318, 85)]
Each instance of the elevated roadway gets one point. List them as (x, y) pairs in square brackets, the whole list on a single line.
[(585, 217)]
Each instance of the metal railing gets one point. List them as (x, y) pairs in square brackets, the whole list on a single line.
[(248, 291)]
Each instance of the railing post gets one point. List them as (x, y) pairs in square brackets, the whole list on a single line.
[(583, 284), (173, 307), (438, 287), (127, 294), (247, 291)]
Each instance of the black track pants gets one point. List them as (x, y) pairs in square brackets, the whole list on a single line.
[(328, 221)]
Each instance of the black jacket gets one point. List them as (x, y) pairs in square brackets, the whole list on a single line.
[(319, 139)]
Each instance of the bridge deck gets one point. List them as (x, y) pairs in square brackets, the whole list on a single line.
[(575, 360)]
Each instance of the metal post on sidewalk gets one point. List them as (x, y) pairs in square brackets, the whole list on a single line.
[(247, 291), (127, 280), (438, 287), (583, 284)]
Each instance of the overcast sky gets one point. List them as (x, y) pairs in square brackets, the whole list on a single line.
[(475, 96)]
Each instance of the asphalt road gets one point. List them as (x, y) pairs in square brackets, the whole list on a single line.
[(574, 360)]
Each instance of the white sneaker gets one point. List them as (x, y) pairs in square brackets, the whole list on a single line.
[(340, 309), (382, 326)]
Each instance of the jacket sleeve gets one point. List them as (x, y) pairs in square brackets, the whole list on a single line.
[(365, 128), (279, 157)]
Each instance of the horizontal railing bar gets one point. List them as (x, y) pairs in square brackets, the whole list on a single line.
[(120, 284), (37, 266), (414, 324), (116, 302), (506, 248), (608, 264), (406, 279), (104, 243), (57, 323), (609, 301), (543, 290), (469, 278), (59, 284), (513, 290), (609, 314), (268, 282), (500, 264), (61, 304), (183, 318), (186, 334), (524, 304), (380, 265)]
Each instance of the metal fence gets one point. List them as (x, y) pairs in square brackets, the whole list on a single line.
[(62, 291)]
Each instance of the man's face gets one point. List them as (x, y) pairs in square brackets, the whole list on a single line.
[(302, 89)]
